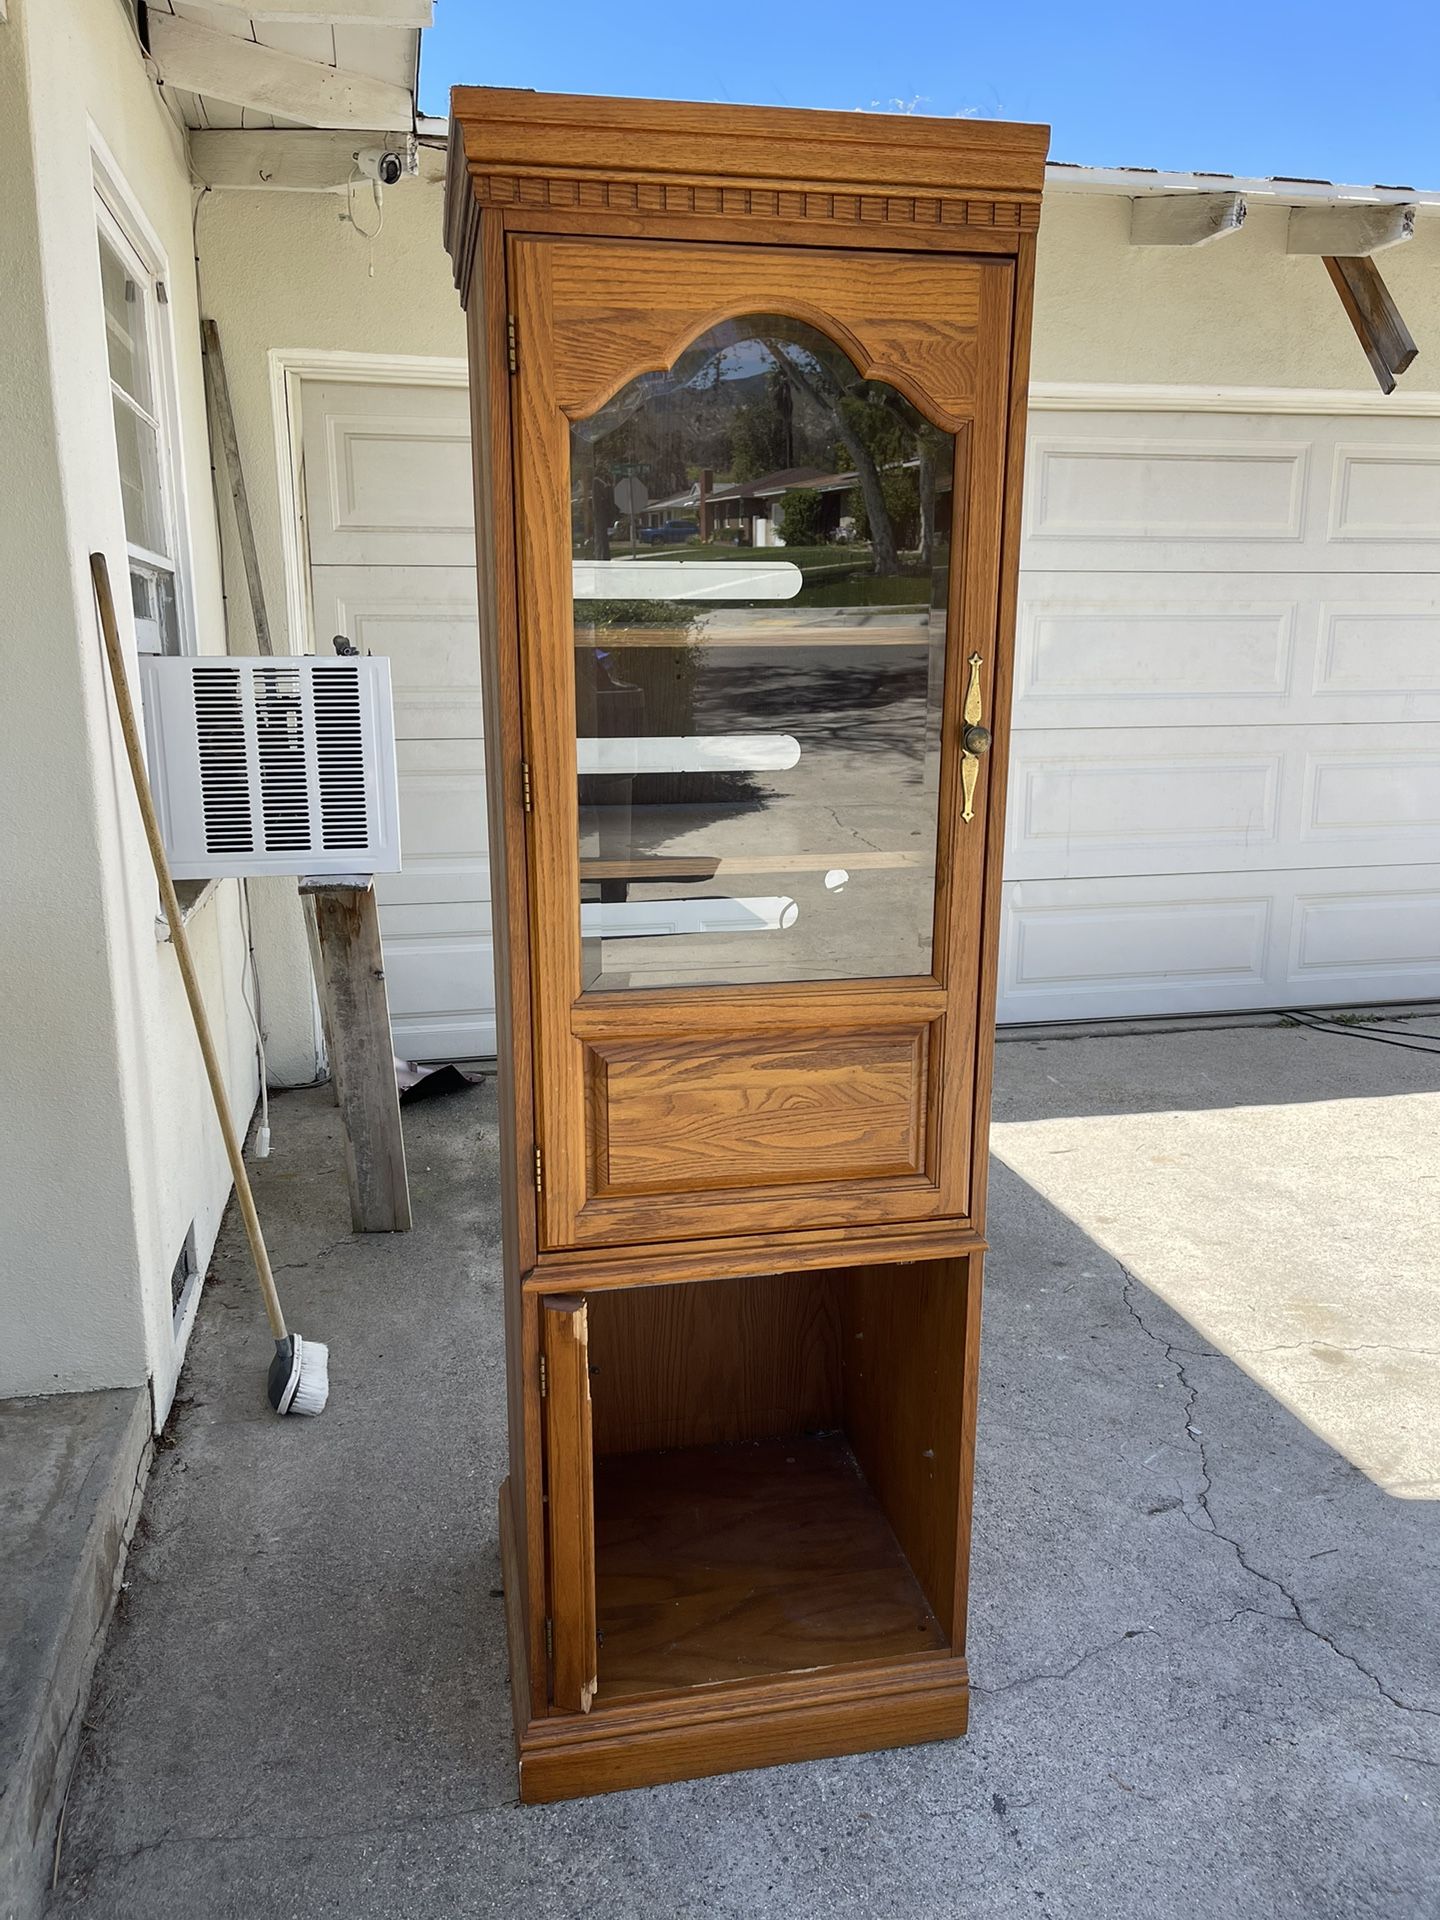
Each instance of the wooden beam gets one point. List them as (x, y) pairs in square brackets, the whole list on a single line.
[(1375, 317), (218, 389), (228, 68), (338, 13), (1352, 232), (362, 1056), (1184, 219), (283, 159)]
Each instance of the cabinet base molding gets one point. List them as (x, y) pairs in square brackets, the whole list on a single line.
[(723, 1729)]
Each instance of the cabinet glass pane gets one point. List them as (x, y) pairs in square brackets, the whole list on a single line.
[(761, 550)]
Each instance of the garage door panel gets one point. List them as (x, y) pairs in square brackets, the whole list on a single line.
[(1160, 492), (1087, 949), (1097, 802), (1379, 657), (387, 484), (1384, 493), (423, 620), (1072, 949), (1376, 940), (1153, 487), (1224, 649), (387, 477), (1092, 649), (439, 966)]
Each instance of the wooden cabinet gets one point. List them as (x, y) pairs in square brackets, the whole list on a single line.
[(748, 393)]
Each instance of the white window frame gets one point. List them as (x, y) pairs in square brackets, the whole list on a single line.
[(119, 221)]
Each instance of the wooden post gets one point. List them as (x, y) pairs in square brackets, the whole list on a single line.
[(362, 1058)]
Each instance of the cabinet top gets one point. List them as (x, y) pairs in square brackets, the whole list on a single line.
[(584, 155)]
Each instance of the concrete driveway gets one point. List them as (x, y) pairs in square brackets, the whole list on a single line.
[(1205, 1634)]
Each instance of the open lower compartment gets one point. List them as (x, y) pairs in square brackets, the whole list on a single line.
[(776, 1478)]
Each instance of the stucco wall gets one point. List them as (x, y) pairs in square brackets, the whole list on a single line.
[(286, 270), (109, 1147), (1238, 312)]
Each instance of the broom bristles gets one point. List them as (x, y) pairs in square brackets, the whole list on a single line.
[(313, 1388)]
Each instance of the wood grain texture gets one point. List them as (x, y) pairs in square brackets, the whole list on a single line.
[(903, 1355), (500, 694), (742, 1255), (997, 706), (722, 1563), (362, 1060), (670, 1116), (708, 1365), (694, 1368), (569, 1504), (577, 1211), (621, 309), (1388, 343), (847, 173), (691, 1735)]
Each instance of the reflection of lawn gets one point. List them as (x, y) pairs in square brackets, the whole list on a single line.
[(866, 590)]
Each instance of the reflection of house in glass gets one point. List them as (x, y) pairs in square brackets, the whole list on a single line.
[(752, 508)]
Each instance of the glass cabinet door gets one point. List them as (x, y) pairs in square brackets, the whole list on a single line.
[(757, 606), (761, 546)]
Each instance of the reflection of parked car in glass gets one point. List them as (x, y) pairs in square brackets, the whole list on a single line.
[(670, 533)]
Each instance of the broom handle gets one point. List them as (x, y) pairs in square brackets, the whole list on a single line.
[(100, 574)]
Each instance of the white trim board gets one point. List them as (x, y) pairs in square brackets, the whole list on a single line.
[(1085, 396)]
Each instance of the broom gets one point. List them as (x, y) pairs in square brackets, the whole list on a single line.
[(299, 1378)]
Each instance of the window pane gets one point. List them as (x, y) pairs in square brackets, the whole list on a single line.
[(761, 547), (138, 451), (125, 327), (157, 616)]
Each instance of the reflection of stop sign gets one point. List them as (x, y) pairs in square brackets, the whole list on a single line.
[(631, 496)]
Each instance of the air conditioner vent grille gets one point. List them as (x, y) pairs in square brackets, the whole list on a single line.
[(273, 766)]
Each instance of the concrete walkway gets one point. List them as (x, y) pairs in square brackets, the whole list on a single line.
[(1205, 1634)]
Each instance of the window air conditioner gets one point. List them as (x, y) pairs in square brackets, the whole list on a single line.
[(272, 765)]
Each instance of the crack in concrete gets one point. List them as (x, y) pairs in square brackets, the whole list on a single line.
[(1063, 1673), (1212, 1527)]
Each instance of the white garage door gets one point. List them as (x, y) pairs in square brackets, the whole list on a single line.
[(392, 565), (1225, 786)]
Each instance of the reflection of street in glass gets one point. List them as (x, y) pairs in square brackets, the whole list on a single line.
[(758, 682)]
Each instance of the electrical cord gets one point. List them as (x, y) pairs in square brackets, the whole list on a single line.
[(1317, 1024)]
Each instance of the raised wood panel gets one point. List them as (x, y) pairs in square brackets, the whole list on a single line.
[(677, 1115), (621, 310)]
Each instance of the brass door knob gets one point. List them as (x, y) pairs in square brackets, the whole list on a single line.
[(976, 739)]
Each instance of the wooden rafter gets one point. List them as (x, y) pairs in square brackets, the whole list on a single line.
[(1351, 233), (228, 68), (339, 13), (1185, 219)]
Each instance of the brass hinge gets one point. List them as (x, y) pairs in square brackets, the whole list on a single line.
[(549, 1636), (510, 339), (539, 1171), (525, 793), (544, 1378)]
